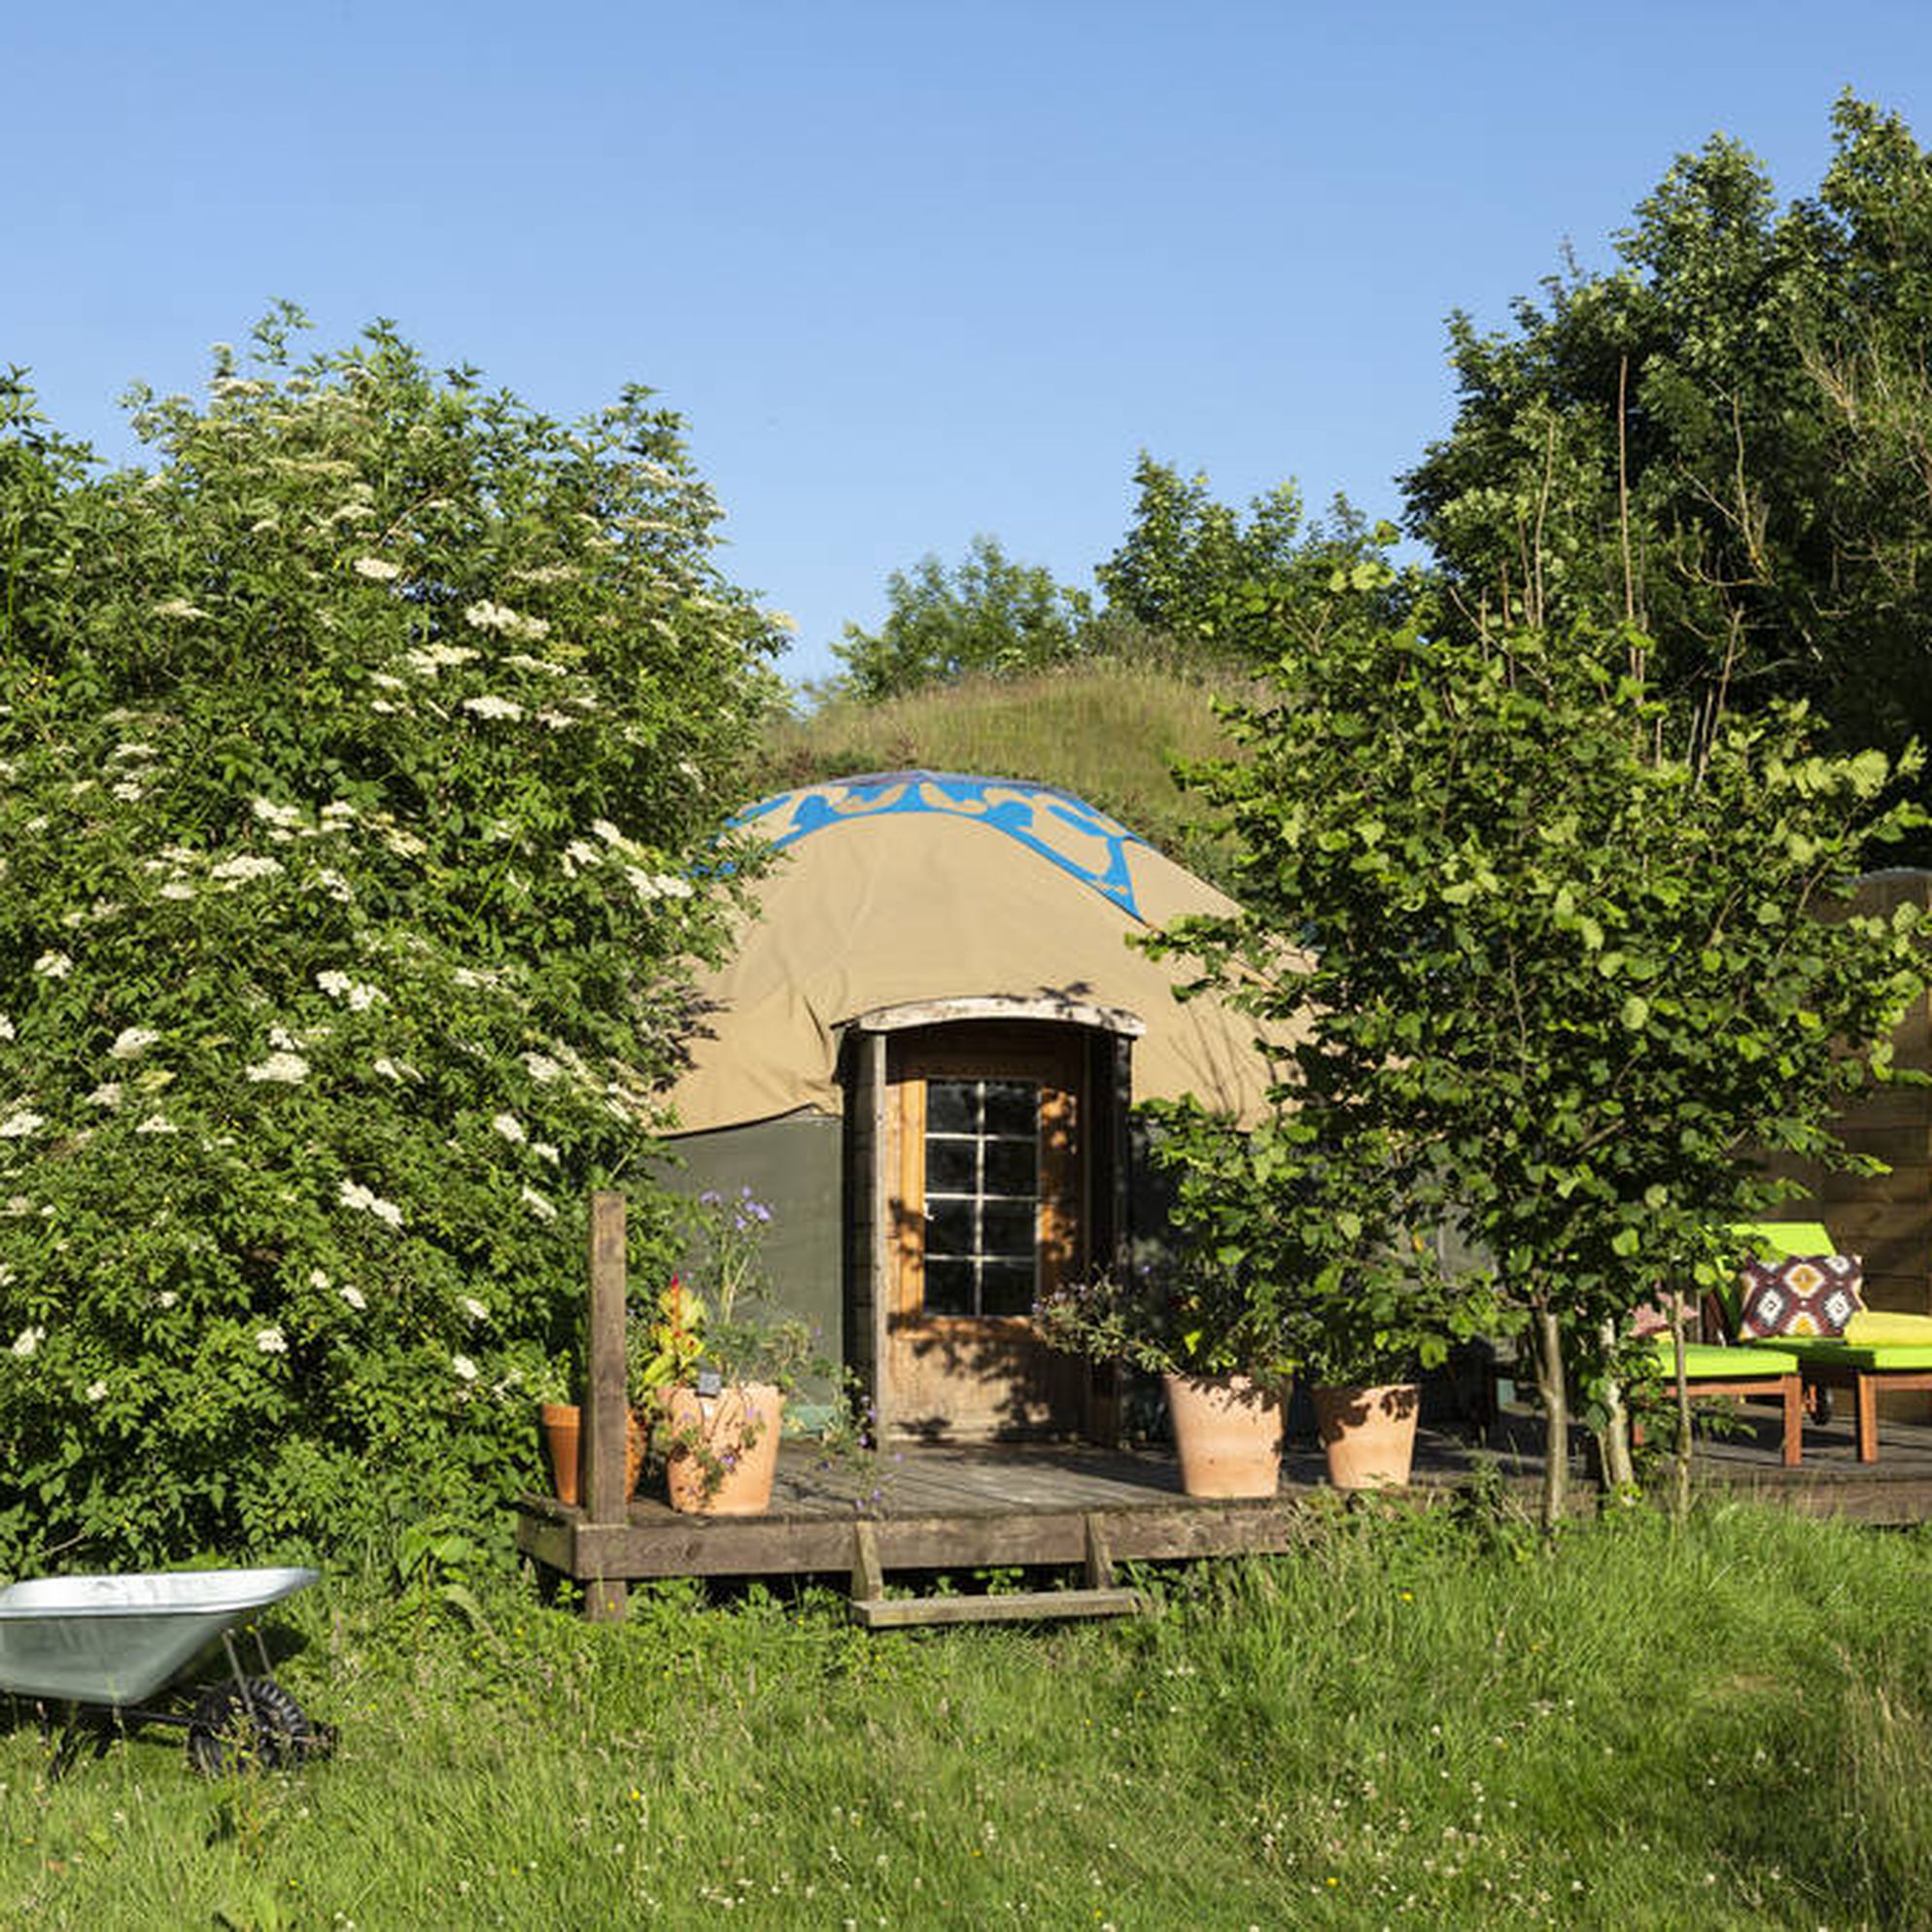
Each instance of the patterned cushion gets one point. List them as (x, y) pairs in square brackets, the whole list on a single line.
[(1800, 1294)]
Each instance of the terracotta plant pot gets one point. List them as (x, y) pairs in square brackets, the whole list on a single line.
[(1368, 1435), (1227, 1433), (561, 1423), (727, 1452), (636, 1446), (562, 1437)]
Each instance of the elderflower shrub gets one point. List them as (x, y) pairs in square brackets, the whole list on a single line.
[(325, 1006)]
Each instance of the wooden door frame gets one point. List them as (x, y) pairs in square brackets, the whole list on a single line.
[(1107, 1035)]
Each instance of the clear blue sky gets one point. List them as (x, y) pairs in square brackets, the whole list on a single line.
[(911, 271)]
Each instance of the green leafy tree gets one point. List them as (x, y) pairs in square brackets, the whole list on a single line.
[(1565, 971), (355, 758), (1723, 441), (1186, 554), (986, 616)]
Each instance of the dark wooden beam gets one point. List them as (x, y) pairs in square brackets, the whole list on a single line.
[(607, 1413)]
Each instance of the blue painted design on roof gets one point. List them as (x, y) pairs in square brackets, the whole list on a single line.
[(1062, 829)]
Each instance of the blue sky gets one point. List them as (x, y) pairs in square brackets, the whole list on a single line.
[(911, 271)]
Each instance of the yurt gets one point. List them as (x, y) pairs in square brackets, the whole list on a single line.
[(922, 1060)]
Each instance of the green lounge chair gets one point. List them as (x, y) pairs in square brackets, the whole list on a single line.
[(1833, 1362), (1711, 1370)]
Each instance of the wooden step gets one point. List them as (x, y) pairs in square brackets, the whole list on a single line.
[(1013, 1606), (874, 1609)]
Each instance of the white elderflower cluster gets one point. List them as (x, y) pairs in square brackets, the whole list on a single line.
[(288, 816), (21, 1122), (511, 1128), (485, 616), (650, 886), (271, 1341), (377, 569), (490, 706), (539, 1205), (355, 993), (281, 1068), (365, 1200), (53, 965), (243, 867), (612, 836), (427, 660), (131, 1042)]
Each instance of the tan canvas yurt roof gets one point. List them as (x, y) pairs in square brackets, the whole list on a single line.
[(911, 887)]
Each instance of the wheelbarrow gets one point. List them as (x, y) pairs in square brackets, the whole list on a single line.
[(106, 1648)]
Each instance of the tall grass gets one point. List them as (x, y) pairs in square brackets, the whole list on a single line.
[(1107, 729), (1412, 1719)]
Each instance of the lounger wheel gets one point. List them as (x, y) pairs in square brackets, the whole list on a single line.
[(252, 1723)]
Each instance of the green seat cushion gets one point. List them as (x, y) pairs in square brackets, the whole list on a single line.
[(1887, 1328), (1706, 1361), (1788, 1237), (1826, 1352)]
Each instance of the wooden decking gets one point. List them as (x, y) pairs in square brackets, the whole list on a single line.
[(957, 1510), (931, 1509)]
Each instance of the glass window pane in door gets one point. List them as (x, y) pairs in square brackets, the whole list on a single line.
[(1007, 1288), (1013, 1167), (951, 1287)]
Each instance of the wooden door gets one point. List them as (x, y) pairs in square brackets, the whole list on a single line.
[(987, 1213)]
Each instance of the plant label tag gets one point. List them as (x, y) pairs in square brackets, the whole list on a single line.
[(709, 1382)]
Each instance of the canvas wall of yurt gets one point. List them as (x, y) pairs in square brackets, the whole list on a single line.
[(922, 1058)]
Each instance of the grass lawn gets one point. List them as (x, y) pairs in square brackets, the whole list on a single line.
[(1415, 1719)]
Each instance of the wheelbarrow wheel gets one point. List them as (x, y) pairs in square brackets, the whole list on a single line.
[(267, 1727)]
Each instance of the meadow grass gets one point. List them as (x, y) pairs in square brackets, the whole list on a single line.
[(1106, 729), (1415, 1718)]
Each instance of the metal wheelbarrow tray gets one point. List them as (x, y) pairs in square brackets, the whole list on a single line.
[(105, 1645)]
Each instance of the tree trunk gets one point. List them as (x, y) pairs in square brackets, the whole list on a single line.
[(1556, 1419), (1613, 1441), (1681, 1460)]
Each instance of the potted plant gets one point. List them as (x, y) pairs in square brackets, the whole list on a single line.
[(560, 1422), (711, 1368), (1365, 1331), (1219, 1357), (1320, 1238)]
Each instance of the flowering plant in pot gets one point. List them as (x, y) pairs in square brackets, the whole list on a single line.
[(711, 1366)]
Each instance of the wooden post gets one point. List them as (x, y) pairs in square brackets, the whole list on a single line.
[(607, 1411)]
